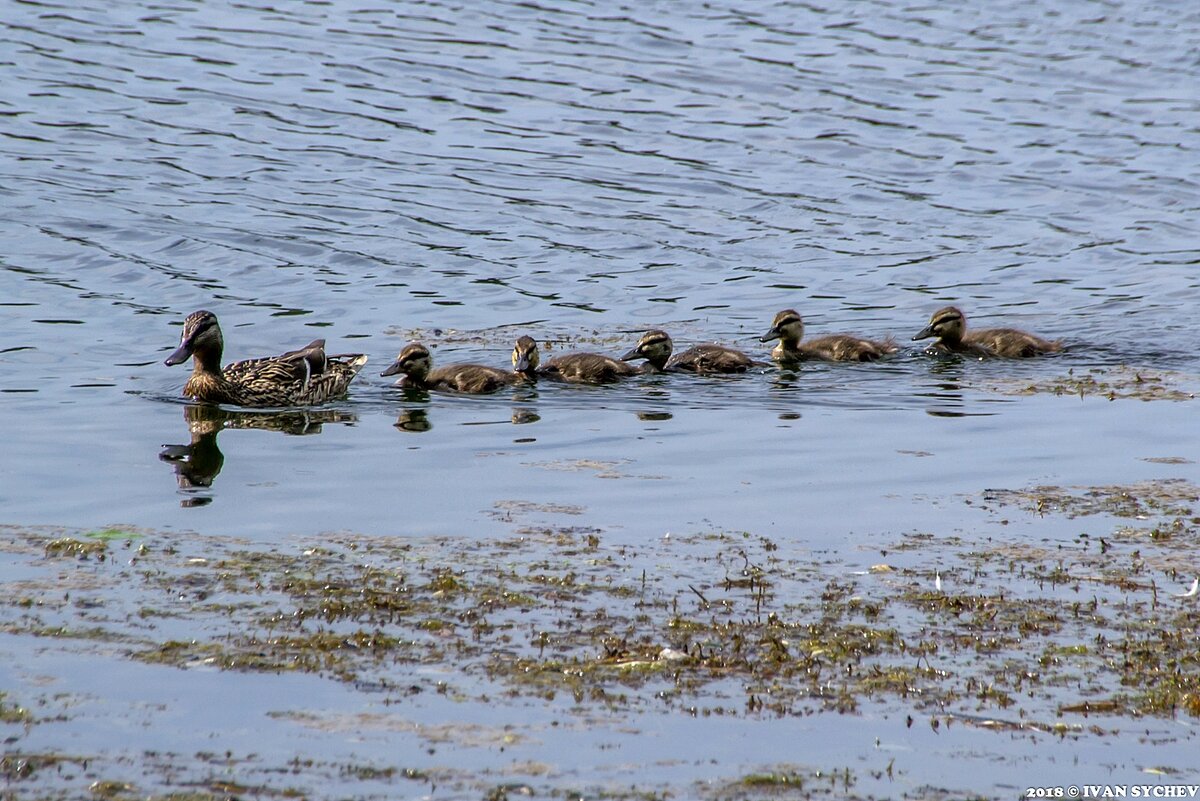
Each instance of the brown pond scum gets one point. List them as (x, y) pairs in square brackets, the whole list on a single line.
[(1113, 383), (1079, 640)]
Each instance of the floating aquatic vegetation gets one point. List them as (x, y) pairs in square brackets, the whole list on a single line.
[(1113, 383), (1066, 638), (744, 633), (13, 713), (1168, 497)]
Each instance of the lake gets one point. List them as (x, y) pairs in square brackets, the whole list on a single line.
[(920, 577)]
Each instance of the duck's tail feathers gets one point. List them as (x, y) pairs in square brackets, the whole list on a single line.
[(354, 361)]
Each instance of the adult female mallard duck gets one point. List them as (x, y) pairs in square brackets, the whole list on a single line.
[(297, 378), (417, 365), (950, 327), (788, 328), (578, 368), (655, 347)]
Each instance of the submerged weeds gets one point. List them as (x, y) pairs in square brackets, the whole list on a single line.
[(1001, 635)]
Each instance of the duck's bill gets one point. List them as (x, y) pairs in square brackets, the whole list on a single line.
[(181, 355), (521, 364), (924, 333), (771, 334), (632, 355), (392, 368)]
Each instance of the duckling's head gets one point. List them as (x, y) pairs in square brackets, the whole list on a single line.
[(947, 323), (201, 336), (787, 325), (654, 346), (413, 361), (525, 356)]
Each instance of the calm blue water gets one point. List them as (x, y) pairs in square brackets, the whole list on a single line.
[(375, 173)]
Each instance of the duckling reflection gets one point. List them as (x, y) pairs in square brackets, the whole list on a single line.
[(945, 391), (521, 417), (413, 420), (416, 363), (416, 421), (297, 378), (655, 347), (949, 325), (198, 463), (788, 328), (577, 368)]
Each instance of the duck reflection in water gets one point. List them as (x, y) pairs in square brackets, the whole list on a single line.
[(198, 463), (522, 416), (945, 390), (416, 421)]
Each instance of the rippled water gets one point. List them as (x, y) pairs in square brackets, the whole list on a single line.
[(464, 173)]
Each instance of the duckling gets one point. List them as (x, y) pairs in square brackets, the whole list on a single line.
[(417, 365), (655, 347), (525, 356), (788, 328), (950, 327), (296, 378), (577, 368)]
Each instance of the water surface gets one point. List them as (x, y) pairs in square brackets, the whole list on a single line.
[(463, 174)]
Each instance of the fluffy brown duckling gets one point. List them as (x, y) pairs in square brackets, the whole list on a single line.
[(655, 347), (788, 328), (950, 327), (417, 365), (296, 378), (578, 368)]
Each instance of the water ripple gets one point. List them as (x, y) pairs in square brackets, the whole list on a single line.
[(425, 162)]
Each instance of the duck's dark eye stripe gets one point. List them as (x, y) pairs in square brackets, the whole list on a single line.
[(201, 325)]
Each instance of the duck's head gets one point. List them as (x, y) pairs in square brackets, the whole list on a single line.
[(654, 346), (786, 325), (525, 356), (201, 335), (947, 323), (413, 361)]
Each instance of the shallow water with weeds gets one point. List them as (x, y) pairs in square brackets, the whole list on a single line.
[(920, 578), (463, 666)]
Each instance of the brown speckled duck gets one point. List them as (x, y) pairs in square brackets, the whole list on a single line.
[(950, 327), (578, 368), (297, 378), (655, 347), (788, 328), (417, 365)]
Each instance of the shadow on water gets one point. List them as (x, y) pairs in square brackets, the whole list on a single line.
[(198, 463), (945, 389), (416, 421)]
